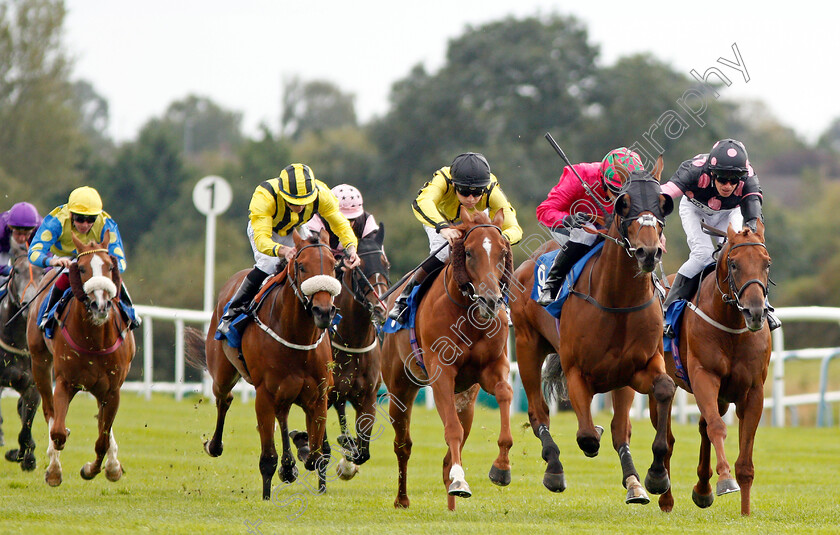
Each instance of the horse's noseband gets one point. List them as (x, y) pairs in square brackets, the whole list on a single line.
[(735, 298), (305, 297)]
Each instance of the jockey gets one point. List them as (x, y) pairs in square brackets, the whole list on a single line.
[(467, 182), (569, 205), (18, 224), (84, 218), (351, 205), (714, 184), (278, 206)]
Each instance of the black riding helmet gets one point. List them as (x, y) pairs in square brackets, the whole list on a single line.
[(470, 170), (728, 157)]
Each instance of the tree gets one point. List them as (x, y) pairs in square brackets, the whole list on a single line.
[(314, 106), (199, 125), (503, 86), (146, 175), (39, 136)]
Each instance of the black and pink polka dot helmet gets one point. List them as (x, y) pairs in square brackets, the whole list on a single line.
[(728, 157)]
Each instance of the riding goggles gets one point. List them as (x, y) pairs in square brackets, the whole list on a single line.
[(470, 192), (733, 179), (84, 218)]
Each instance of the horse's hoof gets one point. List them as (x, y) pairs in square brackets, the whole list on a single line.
[(114, 474), (289, 474), (401, 503), (28, 463), (702, 500), (212, 450), (301, 441), (635, 492), (555, 482), (499, 477), (346, 470), (460, 489), (727, 486), (53, 480), (657, 484), (13, 456), (85, 472)]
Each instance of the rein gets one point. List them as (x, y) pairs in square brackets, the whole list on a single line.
[(306, 301), (615, 310), (726, 297)]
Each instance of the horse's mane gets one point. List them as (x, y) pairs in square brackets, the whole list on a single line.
[(458, 257)]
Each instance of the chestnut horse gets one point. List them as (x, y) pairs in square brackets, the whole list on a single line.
[(91, 350), (15, 363), (356, 352), (609, 337), (461, 332), (725, 347), (284, 355)]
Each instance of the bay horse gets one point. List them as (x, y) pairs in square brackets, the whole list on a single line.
[(15, 362), (608, 338), (461, 333), (725, 347), (357, 355), (91, 350), (284, 355)]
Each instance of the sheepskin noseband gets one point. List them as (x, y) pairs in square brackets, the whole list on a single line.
[(103, 283), (320, 283)]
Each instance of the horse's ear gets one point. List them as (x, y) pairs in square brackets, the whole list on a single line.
[(324, 236), (297, 239), (730, 232), (759, 229), (657, 168), (623, 173), (380, 234), (106, 240), (499, 218), (622, 205), (666, 204), (465, 216), (77, 242)]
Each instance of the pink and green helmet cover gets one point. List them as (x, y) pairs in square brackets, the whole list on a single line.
[(624, 156)]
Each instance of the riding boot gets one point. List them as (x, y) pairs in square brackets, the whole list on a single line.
[(131, 316), (242, 298), (567, 257), (682, 288), (401, 304), (52, 299), (773, 320)]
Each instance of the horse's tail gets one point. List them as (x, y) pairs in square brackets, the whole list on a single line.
[(194, 352), (554, 379)]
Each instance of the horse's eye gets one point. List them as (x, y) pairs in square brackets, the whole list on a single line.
[(302, 269), (468, 253)]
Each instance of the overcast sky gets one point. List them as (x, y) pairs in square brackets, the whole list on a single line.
[(142, 56)]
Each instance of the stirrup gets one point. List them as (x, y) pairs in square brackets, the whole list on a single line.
[(547, 296), (668, 331), (773, 321), (396, 313)]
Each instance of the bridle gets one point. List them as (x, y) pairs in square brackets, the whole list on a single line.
[(733, 297), (294, 275), (17, 300), (467, 288)]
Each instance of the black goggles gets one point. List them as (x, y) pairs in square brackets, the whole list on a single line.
[(84, 218), (470, 192), (728, 179)]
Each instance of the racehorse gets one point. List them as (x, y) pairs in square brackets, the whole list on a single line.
[(91, 350), (461, 333), (284, 355), (608, 338), (356, 352), (15, 364), (725, 347)]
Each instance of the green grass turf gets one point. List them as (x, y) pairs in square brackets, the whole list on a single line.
[(172, 486)]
